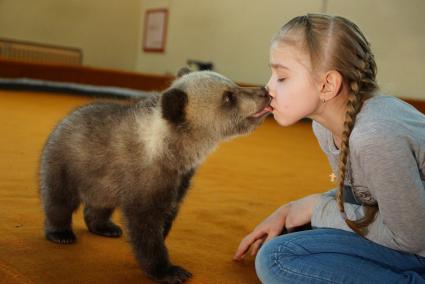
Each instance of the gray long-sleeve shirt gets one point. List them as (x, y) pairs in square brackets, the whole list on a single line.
[(387, 161)]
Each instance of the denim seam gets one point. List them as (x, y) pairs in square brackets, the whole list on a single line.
[(293, 242), (299, 239), (288, 271), (393, 269)]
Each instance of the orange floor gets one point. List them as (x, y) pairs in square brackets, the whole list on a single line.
[(239, 184)]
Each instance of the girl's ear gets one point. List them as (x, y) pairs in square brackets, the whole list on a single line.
[(331, 85)]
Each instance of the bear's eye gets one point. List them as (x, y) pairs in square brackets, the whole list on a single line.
[(229, 98)]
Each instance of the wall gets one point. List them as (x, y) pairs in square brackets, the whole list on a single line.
[(396, 30), (107, 30), (235, 35)]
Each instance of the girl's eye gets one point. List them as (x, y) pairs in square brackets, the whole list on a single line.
[(281, 79)]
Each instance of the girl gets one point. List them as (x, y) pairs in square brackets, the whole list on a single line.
[(371, 229)]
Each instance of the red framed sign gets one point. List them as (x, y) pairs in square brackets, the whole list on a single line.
[(155, 30)]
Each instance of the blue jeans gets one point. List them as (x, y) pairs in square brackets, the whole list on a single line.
[(335, 256)]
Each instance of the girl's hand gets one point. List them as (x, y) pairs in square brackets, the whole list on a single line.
[(290, 215), (266, 230)]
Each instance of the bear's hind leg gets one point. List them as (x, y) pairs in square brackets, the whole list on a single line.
[(98, 221), (59, 203)]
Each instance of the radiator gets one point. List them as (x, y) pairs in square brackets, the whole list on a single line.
[(39, 53)]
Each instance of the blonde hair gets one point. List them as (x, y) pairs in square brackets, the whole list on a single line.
[(335, 43)]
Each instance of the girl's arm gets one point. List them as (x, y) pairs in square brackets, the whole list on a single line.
[(393, 177)]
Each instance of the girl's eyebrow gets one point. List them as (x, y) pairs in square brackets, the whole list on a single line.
[(278, 66)]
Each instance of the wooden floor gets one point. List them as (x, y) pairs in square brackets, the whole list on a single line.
[(242, 182)]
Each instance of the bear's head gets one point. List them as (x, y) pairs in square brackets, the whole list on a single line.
[(210, 104)]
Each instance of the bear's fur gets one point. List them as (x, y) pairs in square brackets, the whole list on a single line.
[(141, 157)]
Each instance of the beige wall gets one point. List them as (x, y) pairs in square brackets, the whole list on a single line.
[(234, 34), (107, 30), (396, 30)]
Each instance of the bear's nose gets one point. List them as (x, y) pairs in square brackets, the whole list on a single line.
[(264, 92)]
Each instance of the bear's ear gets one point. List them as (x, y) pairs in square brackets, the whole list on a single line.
[(183, 71), (173, 105)]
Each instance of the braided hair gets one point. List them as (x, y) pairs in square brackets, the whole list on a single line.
[(336, 43)]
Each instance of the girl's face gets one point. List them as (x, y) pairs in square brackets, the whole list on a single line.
[(294, 91)]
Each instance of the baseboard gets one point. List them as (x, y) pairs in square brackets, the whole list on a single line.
[(83, 75), (104, 77)]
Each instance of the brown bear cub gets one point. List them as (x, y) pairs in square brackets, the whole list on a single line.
[(141, 157)]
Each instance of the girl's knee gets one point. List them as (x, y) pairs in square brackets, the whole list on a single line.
[(264, 261), (273, 255)]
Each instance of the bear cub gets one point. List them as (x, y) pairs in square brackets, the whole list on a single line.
[(140, 157)]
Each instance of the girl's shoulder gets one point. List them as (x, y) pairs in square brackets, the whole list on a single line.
[(383, 118), (381, 106), (380, 112)]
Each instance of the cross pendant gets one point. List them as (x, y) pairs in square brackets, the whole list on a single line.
[(333, 177)]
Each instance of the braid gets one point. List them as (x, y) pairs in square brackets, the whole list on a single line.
[(361, 87), (353, 107)]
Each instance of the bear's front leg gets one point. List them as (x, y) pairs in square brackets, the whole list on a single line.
[(181, 192), (145, 228)]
